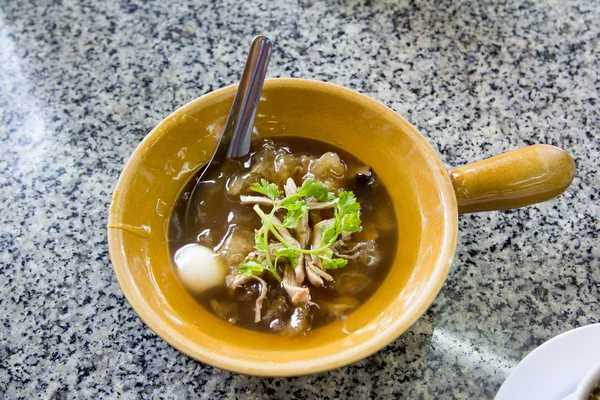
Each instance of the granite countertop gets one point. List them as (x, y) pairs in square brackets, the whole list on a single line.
[(82, 82)]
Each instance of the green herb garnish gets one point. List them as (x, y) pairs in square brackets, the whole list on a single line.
[(346, 220), (268, 189)]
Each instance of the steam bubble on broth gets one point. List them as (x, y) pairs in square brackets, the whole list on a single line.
[(199, 268)]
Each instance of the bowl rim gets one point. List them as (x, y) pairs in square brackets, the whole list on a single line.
[(327, 362)]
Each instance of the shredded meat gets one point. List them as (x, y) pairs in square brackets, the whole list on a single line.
[(312, 264), (285, 234), (234, 281), (297, 293), (256, 200), (273, 247), (260, 299), (290, 187), (340, 250), (317, 231), (313, 205), (302, 231), (316, 274), (317, 236), (255, 255), (312, 276)]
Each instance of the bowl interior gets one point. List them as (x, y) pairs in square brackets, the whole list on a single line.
[(424, 202)]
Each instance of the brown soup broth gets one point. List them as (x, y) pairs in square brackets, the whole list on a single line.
[(221, 222)]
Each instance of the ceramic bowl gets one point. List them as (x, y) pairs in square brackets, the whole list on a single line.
[(427, 200)]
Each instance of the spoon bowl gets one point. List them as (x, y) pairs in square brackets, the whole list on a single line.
[(234, 143)]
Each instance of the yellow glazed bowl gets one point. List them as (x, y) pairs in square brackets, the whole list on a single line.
[(427, 199)]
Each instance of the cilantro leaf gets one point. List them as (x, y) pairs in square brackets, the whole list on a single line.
[(287, 252), (291, 253), (334, 263), (328, 262), (328, 234), (351, 222), (293, 216), (316, 189), (347, 204), (268, 189), (251, 267), (292, 203)]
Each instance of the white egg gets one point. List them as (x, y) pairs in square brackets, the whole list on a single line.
[(199, 268)]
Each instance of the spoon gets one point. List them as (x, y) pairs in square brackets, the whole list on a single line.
[(234, 143)]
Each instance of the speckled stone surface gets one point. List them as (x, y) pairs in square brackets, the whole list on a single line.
[(82, 82)]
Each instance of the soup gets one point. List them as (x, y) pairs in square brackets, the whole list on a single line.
[(298, 236)]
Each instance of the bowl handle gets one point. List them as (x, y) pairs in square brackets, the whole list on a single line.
[(515, 179)]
